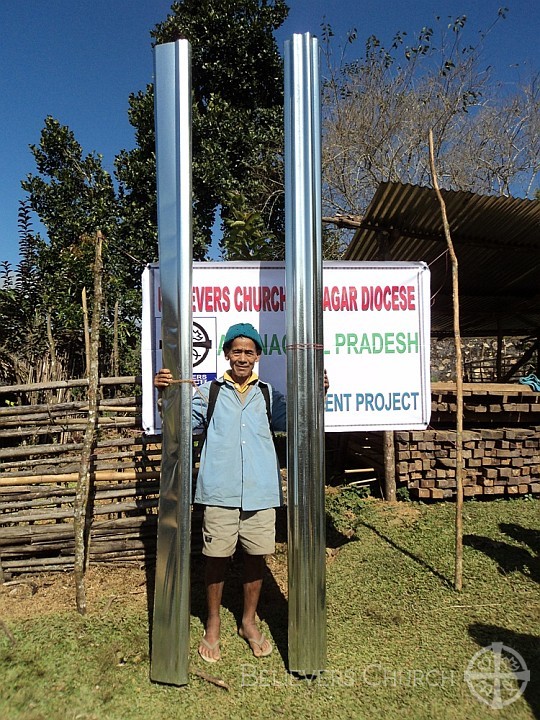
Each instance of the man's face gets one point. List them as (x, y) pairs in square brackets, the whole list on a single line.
[(242, 356)]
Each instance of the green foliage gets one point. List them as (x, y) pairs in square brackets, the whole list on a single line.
[(237, 133), (402, 494), (345, 507), (23, 336), (246, 235), (74, 197)]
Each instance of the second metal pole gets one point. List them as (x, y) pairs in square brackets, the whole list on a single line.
[(305, 396)]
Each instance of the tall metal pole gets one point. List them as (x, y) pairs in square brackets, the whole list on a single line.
[(305, 397), (170, 634)]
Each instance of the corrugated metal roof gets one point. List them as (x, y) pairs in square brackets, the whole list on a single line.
[(497, 243)]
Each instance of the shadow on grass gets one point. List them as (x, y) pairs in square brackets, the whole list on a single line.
[(527, 536), (510, 558), (528, 646), (446, 581)]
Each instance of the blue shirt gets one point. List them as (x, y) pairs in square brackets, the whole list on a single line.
[(239, 466)]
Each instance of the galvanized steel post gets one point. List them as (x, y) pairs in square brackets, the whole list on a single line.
[(305, 396), (170, 633)]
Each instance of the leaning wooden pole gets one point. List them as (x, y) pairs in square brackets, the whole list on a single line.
[(81, 522), (458, 575)]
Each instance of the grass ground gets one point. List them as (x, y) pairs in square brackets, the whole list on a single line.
[(399, 637)]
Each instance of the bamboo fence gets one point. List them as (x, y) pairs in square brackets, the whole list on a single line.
[(40, 451)]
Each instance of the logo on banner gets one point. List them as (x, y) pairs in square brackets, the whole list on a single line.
[(201, 344), (204, 350)]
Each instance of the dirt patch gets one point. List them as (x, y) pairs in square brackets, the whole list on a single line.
[(396, 513), (44, 594), (50, 593), (400, 513)]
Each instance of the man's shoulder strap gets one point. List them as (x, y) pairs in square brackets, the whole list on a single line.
[(266, 394), (215, 387)]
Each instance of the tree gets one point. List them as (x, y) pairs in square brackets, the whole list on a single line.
[(23, 335), (237, 80), (74, 198), (379, 109)]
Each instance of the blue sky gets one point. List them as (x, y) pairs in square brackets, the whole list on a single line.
[(78, 60)]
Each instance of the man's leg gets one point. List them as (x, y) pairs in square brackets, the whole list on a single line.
[(257, 535), (220, 534), (214, 581), (253, 578)]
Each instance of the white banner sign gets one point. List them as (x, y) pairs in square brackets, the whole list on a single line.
[(376, 336)]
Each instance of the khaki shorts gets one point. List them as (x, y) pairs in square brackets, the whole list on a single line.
[(224, 526)]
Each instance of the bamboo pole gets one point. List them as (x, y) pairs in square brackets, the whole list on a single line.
[(70, 513), (97, 476), (458, 575), (28, 422), (62, 427), (57, 448), (133, 458), (75, 415), (38, 533), (81, 405), (115, 340), (483, 388), (500, 338), (52, 348), (389, 451), (81, 382), (86, 330), (81, 523), (67, 498)]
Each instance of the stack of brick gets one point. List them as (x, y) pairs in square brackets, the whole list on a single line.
[(503, 461)]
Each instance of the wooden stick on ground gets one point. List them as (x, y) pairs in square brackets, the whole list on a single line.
[(458, 576)]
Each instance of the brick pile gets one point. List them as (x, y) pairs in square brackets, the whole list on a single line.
[(502, 461)]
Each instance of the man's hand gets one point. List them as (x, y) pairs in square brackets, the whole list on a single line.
[(162, 378), (326, 383)]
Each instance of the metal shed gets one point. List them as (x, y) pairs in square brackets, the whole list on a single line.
[(497, 242)]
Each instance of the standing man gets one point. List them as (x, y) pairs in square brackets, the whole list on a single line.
[(238, 483)]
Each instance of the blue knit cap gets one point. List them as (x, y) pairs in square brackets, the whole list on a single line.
[(243, 330)]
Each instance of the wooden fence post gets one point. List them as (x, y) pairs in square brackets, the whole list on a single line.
[(81, 522), (389, 466)]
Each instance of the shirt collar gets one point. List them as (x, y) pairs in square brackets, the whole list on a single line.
[(244, 386)]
